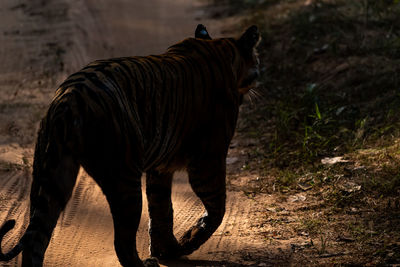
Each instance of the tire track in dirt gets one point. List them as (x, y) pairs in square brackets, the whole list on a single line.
[(187, 207), (70, 212), (88, 226)]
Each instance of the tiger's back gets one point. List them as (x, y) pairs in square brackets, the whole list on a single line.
[(166, 104)]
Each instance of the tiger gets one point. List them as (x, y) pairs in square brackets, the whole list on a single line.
[(119, 118)]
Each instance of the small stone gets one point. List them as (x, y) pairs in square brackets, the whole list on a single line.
[(231, 160), (334, 160)]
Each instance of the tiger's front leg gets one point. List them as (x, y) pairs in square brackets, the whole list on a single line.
[(163, 243), (208, 182)]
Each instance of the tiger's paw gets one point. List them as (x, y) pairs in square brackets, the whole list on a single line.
[(165, 250), (151, 262), (193, 239)]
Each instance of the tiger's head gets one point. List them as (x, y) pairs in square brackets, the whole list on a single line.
[(247, 66)]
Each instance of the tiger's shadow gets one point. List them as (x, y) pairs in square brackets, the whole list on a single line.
[(182, 262)]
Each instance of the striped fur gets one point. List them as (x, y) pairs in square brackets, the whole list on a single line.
[(124, 116)]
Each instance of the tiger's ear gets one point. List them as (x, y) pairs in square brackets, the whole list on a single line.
[(201, 32), (250, 38)]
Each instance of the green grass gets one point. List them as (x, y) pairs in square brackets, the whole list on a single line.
[(312, 226)]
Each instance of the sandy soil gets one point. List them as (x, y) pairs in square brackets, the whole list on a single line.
[(41, 42)]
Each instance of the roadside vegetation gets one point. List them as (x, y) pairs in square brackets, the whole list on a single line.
[(321, 132)]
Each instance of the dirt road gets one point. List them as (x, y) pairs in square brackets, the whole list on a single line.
[(41, 42)]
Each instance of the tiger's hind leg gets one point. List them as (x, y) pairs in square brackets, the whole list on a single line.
[(163, 243), (208, 182), (124, 195), (52, 186)]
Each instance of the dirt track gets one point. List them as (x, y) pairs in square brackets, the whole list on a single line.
[(41, 42)]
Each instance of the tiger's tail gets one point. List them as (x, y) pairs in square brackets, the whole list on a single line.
[(55, 169), (7, 226)]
